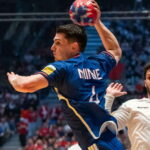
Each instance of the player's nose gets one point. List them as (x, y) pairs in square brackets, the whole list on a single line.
[(53, 47)]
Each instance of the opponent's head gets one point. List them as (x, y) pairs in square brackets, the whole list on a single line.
[(69, 41), (147, 78)]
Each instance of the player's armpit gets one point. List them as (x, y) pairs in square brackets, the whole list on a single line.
[(27, 84), (116, 54)]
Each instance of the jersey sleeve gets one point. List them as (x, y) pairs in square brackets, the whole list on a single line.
[(106, 60), (54, 73), (123, 115)]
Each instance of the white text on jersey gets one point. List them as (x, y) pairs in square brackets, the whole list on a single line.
[(89, 74)]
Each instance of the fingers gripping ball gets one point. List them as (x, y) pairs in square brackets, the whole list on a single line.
[(83, 12)]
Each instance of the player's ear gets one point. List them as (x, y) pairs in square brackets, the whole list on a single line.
[(75, 47)]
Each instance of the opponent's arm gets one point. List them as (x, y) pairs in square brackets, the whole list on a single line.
[(122, 114), (113, 90), (108, 39), (27, 84)]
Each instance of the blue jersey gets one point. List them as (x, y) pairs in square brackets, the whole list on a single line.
[(80, 84)]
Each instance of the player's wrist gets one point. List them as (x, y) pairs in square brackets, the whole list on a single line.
[(109, 102), (109, 97), (97, 23)]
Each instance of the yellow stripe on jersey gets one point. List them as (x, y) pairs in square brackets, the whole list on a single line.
[(93, 147), (49, 69), (76, 113), (90, 148)]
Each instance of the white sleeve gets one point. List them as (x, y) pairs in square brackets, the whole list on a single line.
[(109, 99), (122, 115)]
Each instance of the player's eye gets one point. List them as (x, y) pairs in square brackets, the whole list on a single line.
[(57, 43), (148, 78)]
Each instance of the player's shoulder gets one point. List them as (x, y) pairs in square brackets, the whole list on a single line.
[(104, 56), (75, 61), (67, 64), (131, 102), (58, 64)]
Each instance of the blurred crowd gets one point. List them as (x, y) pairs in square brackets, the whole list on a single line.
[(40, 127), (133, 36), (52, 134), (135, 42), (63, 5), (11, 106)]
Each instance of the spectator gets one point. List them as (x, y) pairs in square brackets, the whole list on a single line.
[(23, 127), (33, 115)]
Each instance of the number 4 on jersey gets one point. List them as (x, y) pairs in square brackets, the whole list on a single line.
[(94, 96)]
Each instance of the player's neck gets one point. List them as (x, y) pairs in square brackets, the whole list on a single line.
[(78, 54)]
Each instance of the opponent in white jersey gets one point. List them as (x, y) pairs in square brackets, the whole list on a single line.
[(134, 114)]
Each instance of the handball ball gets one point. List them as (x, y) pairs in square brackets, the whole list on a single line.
[(82, 12)]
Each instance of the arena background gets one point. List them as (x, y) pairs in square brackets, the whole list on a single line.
[(27, 28)]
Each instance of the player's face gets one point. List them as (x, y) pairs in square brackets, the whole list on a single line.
[(147, 82), (62, 49)]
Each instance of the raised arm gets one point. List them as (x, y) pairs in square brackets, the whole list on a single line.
[(27, 84), (123, 113), (108, 39), (113, 90)]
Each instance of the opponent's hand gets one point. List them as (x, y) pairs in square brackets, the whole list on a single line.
[(115, 89)]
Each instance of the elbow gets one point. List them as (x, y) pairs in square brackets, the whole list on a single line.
[(118, 54)]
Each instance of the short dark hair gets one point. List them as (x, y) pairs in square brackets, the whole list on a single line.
[(74, 33), (146, 68)]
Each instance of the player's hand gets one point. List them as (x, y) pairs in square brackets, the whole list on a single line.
[(115, 89), (97, 8), (11, 77)]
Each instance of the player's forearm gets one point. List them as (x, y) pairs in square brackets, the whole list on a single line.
[(20, 84), (29, 84), (108, 39), (109, 99), (119, 115)]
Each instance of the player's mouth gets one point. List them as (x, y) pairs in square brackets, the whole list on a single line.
[(54, 54)]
